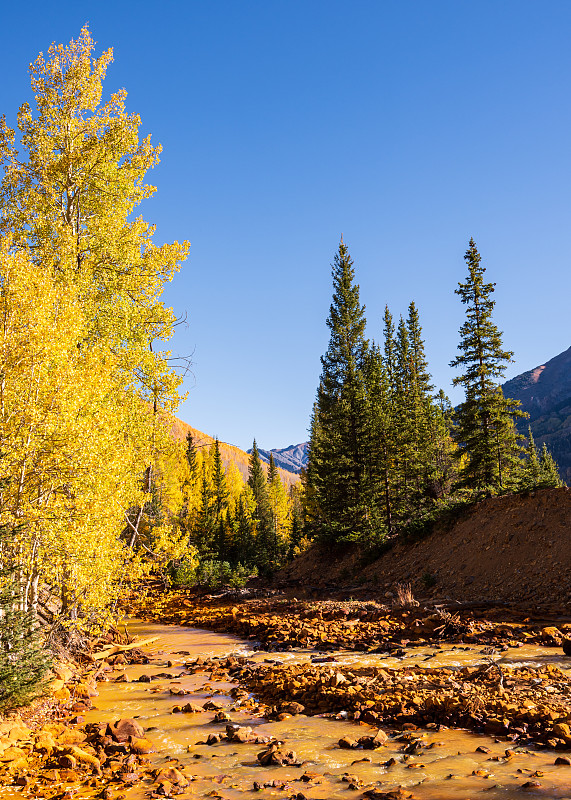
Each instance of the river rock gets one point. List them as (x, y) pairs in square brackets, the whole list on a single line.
[(141, 746), (372, 742), (275, 756), (567, 647), (292, 708), (237, 733), (173, 775), (346, 743), (123, 729), (394, 794), (45, 743), (192, 708)]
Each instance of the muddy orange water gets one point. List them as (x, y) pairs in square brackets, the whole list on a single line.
[(443, 771)]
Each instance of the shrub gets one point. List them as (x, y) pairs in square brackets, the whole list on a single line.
[(23, 659), (428, 580), (210, 573)]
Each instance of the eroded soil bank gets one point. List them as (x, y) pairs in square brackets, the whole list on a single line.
[(514, 550)]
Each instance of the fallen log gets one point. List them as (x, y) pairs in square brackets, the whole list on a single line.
[(121, 648)]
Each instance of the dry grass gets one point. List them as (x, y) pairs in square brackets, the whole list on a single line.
[(404, 597)]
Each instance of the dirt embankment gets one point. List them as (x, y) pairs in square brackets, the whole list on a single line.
[(514, 549)]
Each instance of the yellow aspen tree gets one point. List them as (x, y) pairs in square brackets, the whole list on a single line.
[(86, 389)]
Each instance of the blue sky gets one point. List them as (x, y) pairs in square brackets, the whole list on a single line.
[(406, 126)]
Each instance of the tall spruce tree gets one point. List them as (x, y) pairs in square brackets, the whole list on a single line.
[(337, 450), (219, 488), (485, 429), (381, 446), (190, 453), (265, 550), (549, 473), (206, 519)]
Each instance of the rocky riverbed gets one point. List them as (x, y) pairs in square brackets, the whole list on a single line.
[(312, 701)]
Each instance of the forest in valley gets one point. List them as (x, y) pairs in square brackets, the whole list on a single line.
[(95, 493)]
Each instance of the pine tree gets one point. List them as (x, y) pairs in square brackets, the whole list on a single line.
[(219, 488), (531, 476), (549, 472), (265, 550), (390, 358), (485, 429), (23, 659), (244, 543), (273, 473), (337, 449), (206, 518), (381, 446), (431, 445), (190, 453), (403, 422), (443, 466), (280, 508)]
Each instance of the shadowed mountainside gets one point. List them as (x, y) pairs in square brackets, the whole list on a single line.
[(545, 393)]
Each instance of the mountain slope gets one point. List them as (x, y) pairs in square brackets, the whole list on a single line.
[(545, 393), (228, 452)]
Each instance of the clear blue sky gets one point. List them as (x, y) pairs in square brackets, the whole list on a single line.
[(406, 126)]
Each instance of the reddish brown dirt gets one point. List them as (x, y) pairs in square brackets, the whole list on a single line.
[(514, 549)]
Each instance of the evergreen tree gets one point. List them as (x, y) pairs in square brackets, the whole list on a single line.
[(265, 555), (532, 473), (219, 488), (390, 358), (273, 473), (381, 447), (295, 534), (485, 429), (443, 471), (420, 375), (244, 549), (549, 472), (23, 659), (280, 508), (403, 423), (206, 520), (337, 449), (190, 453), (222, 539)]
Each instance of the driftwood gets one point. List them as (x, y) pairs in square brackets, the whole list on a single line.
[(121, 648)]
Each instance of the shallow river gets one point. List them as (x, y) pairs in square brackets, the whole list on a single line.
[(228, 770)]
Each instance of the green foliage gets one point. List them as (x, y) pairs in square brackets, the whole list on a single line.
[(428, 580), (211, 573), (23, 659), (266, 556), (549, 471), (485, 432), (337, 449), (380, 446)]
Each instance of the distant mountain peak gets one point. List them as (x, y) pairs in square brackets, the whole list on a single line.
[(292, 458)]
